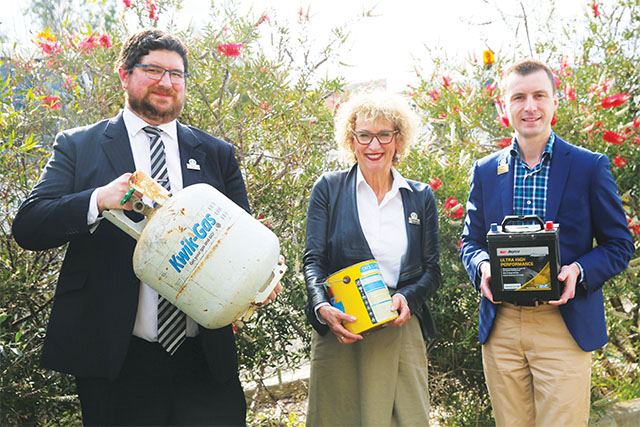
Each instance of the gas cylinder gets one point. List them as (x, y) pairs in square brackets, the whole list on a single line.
[(201, 251)]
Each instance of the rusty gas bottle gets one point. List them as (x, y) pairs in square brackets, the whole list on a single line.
[(201, 251)]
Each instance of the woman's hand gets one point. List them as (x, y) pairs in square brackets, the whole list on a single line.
[(399, 302), (334, 318)]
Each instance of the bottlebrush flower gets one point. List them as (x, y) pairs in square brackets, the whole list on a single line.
[(619, 161), (104, 40), (564, 67), (615, 100), (51, 102), (47, 43), (504, 142), (434, 94), (490, 88), (446, 81), (435, 183), (453, 208), (127, 4), (152, 6), (612, 137), (570, 92), (556, 79), (231, 49), (554, 120), (263, 19), (596, 12), (503, 120), (487, 57), (88, 43)]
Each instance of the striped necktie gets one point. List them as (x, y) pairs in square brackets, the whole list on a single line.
[(172, 323)]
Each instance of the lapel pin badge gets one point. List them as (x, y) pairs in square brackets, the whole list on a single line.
[(193, 165), (413, 219), (503, 167)]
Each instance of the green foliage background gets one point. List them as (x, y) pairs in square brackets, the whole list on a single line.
[(271, 103)]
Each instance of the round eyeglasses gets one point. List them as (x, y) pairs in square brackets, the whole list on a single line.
[(384, 137), (156, 72)]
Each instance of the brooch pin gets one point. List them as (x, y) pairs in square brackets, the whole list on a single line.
[(193, 165), (413, 219)]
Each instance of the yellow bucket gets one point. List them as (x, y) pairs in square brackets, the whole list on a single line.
[(359, 290)]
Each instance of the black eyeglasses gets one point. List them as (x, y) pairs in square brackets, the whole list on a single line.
[(156, 72), (384, 137)]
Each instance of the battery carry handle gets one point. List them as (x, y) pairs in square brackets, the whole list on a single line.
[(513, 218)]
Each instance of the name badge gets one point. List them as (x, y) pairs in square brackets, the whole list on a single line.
[(193, 165), (413, 219)]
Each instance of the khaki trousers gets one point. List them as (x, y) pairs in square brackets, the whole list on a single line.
[(535, 372), (378, 381)]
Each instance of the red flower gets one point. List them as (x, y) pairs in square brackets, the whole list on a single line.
[(504, 142), (490, 88), (152, 7), (434, 94), (619, 161), (556, 79), (637, 141), (453, 208), (554, 120), (612, 137), (264, 18), (51, 102), (635, 228), (446, 81), (503, 119), (435, 183), (593, 126), (231, 49), (104, 40), (570, 92), (265, 107), (615, 100), (459, 245), (47, 43), (636, 122), (127, 4), (564, 67), (596, 12), (88, 43)]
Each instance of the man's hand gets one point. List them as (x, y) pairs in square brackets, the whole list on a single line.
[(569, 275), (485, 289), (399, 302), (110, 195), (334, 318)]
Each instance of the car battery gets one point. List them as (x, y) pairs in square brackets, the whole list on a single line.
[(524, 260)]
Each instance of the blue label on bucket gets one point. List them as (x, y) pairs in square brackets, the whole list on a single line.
[(368, 267)]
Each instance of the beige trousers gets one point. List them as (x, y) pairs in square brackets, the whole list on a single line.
[(378, 381), (535, 372)]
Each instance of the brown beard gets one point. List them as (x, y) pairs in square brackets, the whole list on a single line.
[(145, 109)]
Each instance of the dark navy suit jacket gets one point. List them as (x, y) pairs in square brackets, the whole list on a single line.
[(581, 197), (96, 297), (335, 241)]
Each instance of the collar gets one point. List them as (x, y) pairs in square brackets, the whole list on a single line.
[(134, 124), (398, 181), (548, 149)]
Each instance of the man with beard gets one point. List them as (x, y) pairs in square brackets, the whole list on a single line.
[(104, 325)]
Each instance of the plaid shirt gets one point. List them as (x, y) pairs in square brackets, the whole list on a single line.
[(530, 185)]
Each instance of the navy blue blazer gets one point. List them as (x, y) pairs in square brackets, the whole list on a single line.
[(96, 297), (335, 241), (582, 197)]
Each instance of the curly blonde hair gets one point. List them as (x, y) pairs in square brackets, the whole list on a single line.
[(372, 107)]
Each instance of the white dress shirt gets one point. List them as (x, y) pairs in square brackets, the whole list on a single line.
[(146, 326), (384, 225)]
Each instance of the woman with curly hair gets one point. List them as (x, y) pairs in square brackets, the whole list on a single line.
[(371, 212)]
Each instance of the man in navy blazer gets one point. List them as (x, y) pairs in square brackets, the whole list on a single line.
[(536, 357), (103, 324)]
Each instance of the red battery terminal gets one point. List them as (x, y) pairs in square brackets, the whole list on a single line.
[(548, 226)]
